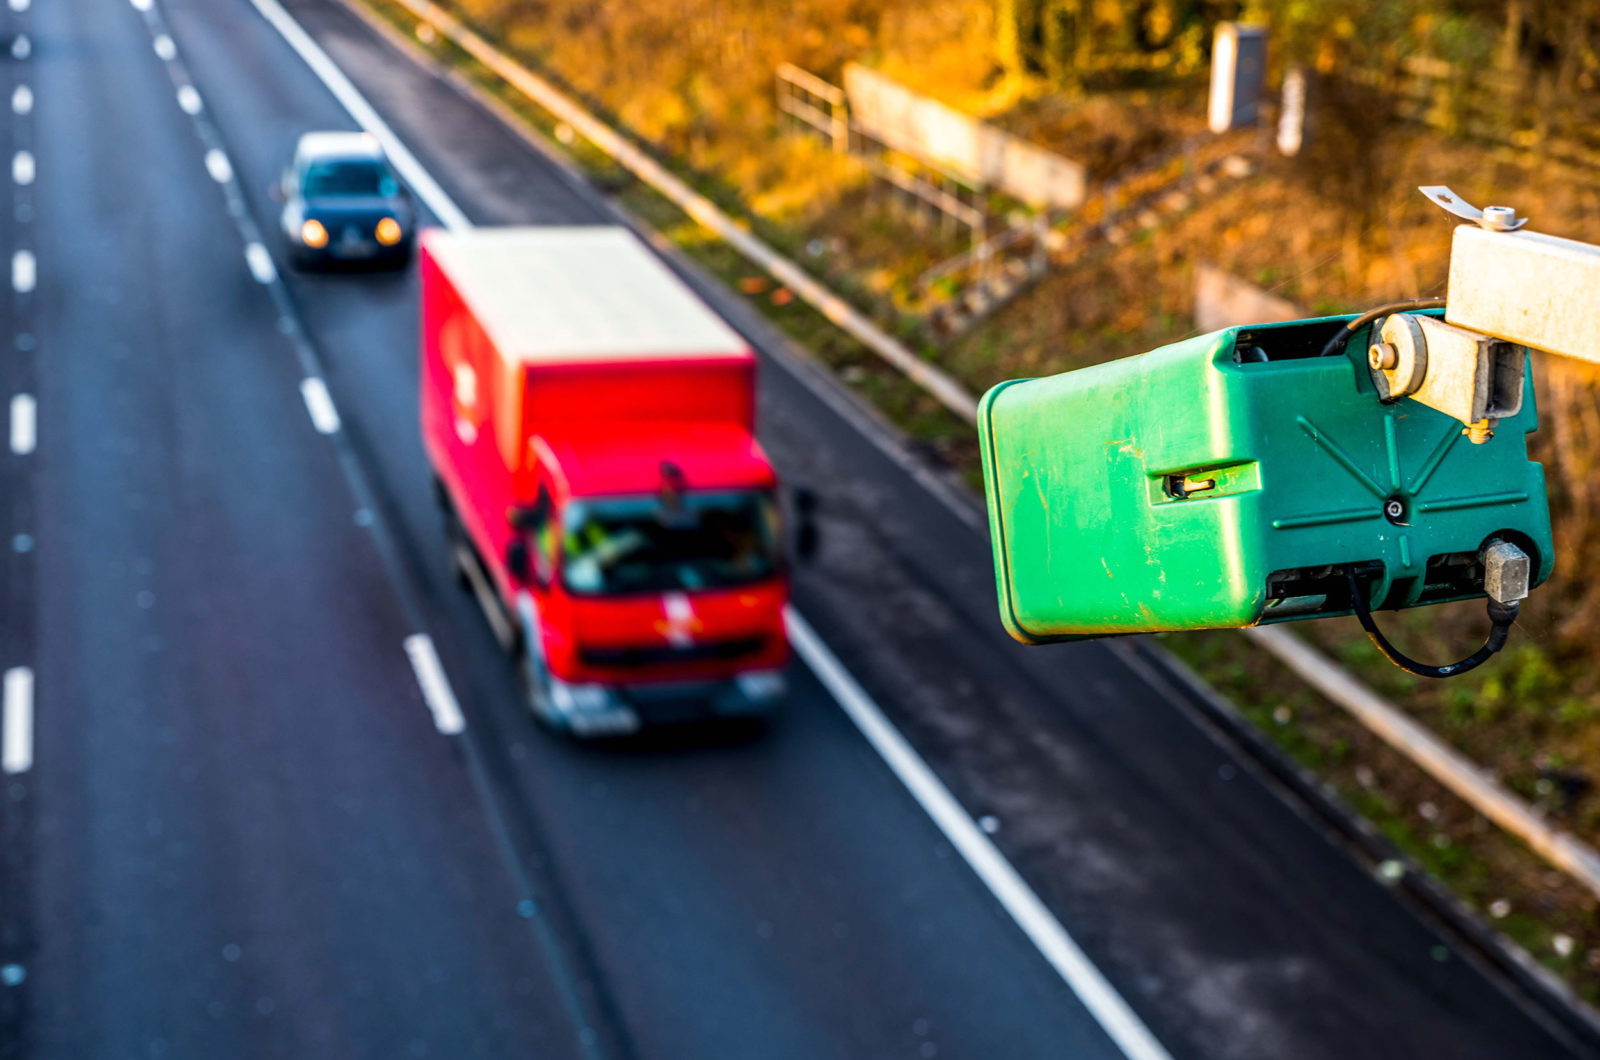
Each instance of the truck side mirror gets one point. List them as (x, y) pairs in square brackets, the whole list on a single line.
[(1190, 488), (806, 539), (517, 559)]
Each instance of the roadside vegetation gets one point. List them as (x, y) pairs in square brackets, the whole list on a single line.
[(1336, 229)]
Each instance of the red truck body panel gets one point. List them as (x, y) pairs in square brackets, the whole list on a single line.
[(508, 406)]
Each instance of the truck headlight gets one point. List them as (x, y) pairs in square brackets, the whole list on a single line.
[(761, 684), (388, 231), (579, 698), (312, 234)]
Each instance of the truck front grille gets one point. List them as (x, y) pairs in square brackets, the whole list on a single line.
[(638, 655)]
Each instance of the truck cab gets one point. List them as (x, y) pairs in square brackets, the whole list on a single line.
[(644, 599), (591, 427)]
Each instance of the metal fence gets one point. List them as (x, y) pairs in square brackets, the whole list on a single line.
[(816, 106)]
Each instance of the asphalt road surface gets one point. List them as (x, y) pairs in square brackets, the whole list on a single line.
[(238, 831)]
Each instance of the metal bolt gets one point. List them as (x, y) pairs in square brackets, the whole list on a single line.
[(1382, 356), (1393, 508), (1498, 218), (1480, 432)]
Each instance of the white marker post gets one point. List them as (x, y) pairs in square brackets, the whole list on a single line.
[(1292, 114), (1238, 62)]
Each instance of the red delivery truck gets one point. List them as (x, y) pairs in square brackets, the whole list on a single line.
[(591, 426)]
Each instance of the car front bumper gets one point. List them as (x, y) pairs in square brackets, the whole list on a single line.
[(354, 251)]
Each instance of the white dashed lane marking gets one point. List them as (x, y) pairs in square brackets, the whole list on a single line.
[(166, 51), (217, 165), (260, 262), (435, 685), (24, 271), (24, 424), (16, 725), (16, 688), (324, 417), (189, 100)]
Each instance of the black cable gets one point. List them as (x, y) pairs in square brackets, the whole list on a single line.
[(1342, 336), (1501, 616)]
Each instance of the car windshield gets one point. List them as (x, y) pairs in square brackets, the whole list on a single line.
[(348, 176), (642, 545)]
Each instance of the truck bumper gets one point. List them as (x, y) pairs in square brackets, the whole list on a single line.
[(600, 710)]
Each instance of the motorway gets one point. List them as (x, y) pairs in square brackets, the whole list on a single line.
[(239, 831)]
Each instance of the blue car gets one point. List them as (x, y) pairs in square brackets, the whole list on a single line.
[(342, 203)]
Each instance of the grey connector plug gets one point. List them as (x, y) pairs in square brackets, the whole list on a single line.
[(1506, 572)]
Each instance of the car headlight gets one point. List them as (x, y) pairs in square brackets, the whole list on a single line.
[(388, 231), (312, 234)]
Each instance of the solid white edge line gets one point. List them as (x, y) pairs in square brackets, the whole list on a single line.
[(435, 685), (24, 271), (23, 169), (218, 166), (16, 726), (349, 97), (24, 424), (1108, 1008), (21, 100), (324, 416), (260, 262)]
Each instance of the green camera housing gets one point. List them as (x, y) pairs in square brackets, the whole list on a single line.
[(1228, 480)]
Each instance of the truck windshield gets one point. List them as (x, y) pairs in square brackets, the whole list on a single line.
[(348, 176), (635, 545)]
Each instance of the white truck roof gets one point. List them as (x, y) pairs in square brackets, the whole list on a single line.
[(577, 293)]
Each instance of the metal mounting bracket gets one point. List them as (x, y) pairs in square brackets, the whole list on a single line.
[(1491, 218)]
